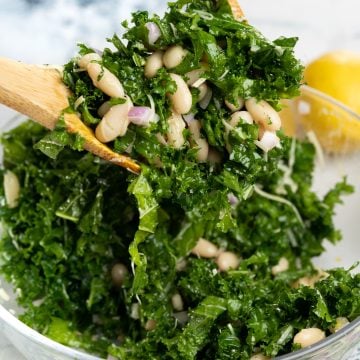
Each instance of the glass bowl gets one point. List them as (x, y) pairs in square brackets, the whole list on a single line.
[(330, 168)]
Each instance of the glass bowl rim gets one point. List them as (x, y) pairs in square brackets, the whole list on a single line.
[(33, 335)]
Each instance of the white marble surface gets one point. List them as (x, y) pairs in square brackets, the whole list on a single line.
[(48, 34)]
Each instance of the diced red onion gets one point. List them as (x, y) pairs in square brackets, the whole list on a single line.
[(189, 117), (99, 52), (154, 32), (268, 141), (233, 200), (205, 101), (141, 115)]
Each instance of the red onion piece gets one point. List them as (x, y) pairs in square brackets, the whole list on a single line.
[(154, 32), (141, 115), (268, 141), (189, 117), (233, 200)]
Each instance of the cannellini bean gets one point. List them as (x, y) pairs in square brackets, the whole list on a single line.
[(119, 273), (160, 138), (85, 60), (175, 135), (339, 324), (235, 107), (214, 157), (203, 89), (194, 75), (177, 302), (135, 311), (205, 249), (307, 337), (259, 356), (203, 150), (114, 123), (153, 64), (227, 260), (11, 189), (105, 80), (281, 266), (181, 264), (194, 128), (238, 116), (311, 280), (264, 114), (174, 56), (202, 144), (104, 108), (150, 325), (182, 99)]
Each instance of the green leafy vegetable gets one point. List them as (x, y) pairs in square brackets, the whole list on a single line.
[(79, 219)]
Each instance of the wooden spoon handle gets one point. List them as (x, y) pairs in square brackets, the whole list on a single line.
[(236, 9), (35, 91), (38, 92)]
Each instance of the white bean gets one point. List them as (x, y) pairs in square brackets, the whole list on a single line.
[(281, 266), (177, 302), (150, 325), (235, 107), (153, 64), (174, 56), (194, 128), (203, 150), (194, 75), (175, 135), (214, 157), (264, 114), (11, 189), (307, 337), (243, 116), (259, 356), (205, 249), (182, 99), (198, 141), (160, 138), (203, 89), (135, 311), (105, 80), (227, 260), (119, 273), (339, 324), (104, 108), (85, 60), (311, 280), (114, 123)]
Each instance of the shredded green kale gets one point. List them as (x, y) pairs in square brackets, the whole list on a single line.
[(78, 216)]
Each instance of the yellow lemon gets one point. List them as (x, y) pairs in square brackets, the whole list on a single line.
[(337, 75)]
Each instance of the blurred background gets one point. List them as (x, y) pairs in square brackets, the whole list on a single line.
[(47, 31)]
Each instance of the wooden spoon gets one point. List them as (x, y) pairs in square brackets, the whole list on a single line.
[(38, 92), (236, 9)]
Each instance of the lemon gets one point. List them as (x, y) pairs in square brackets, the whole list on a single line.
[(336, 74)]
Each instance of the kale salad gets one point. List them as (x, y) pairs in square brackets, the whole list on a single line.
[(207, 252)]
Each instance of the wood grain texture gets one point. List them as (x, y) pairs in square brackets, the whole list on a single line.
[(236, 9), (39, 93)]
